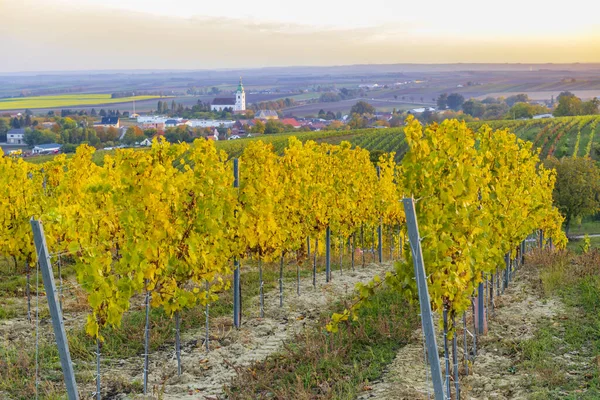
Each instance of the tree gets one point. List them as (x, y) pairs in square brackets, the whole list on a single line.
[(495, 111), (518, 98), (590, 107), (133, 135), (577, 189), (455, 101), (15, 123), (361, 108), (259, 127), (442, 101), (490, 100), (273, 126), (526, 110), (93, 113), (474, 108), (357, 122), (568, 105), (4, 127)]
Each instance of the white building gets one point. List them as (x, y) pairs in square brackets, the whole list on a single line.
[(541, 116), (238, 104), (210, 123), (15, 136), (151, 119), (50, 148)]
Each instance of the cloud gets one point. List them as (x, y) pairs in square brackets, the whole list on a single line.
[(44, 36)]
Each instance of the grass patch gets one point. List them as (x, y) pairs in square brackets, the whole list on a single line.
[(563, 354), (318, 364), (17, 373), (72, 100)]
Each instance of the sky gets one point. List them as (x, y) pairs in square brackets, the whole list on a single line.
[(47, 35)]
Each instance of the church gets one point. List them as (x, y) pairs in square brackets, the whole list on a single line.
[(238, 104)]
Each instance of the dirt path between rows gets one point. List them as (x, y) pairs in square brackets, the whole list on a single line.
[(205, 374), (519, 311)]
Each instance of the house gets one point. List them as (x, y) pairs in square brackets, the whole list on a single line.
[(159, 126), (15, 136), (50, 148), (541, 116), (171, 123), (266, 114), (237, 104), (421, 110), (146, 142), (108, 122), (291, 121), (48, 125)]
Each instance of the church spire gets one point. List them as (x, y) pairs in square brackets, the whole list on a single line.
[(240, 87)]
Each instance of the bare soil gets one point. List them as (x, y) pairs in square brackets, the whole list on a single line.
[(205, 374), (494, 373)]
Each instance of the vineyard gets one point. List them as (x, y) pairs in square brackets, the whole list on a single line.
[(155, 251), (564, 136)]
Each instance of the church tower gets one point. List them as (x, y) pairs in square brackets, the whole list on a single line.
[(240, 98)]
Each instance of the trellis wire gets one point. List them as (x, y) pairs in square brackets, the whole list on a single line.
[(146, 340), (37, 327)]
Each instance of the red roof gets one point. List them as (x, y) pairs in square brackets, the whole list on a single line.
[(291, 121)]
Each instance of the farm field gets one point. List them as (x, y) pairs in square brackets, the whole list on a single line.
[(344, 106), (285, 345), (69, 100)]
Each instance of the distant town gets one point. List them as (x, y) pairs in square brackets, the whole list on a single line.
[(226, 115)]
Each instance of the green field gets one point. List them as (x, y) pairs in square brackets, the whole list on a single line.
[(68, 100)]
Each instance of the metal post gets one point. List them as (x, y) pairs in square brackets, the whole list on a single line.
[(353, 249), (362, 244), (379, 229), (465, 343), (492, 293), (207, 313), (541, 239), (178, 342), (455, 359), (522, 253), (506, 270), (55, 311), (281, 282), (328, 255), (237, 303), (146, 340), (446, 353), (308, 246), (261, 289), (315, 261), (480, 308), (424, 300), (341, 255), (98, 376), (474, 328)]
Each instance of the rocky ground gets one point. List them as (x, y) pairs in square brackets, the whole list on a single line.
[(494, 373)]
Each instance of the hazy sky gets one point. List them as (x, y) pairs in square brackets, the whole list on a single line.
[(198, 34)]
